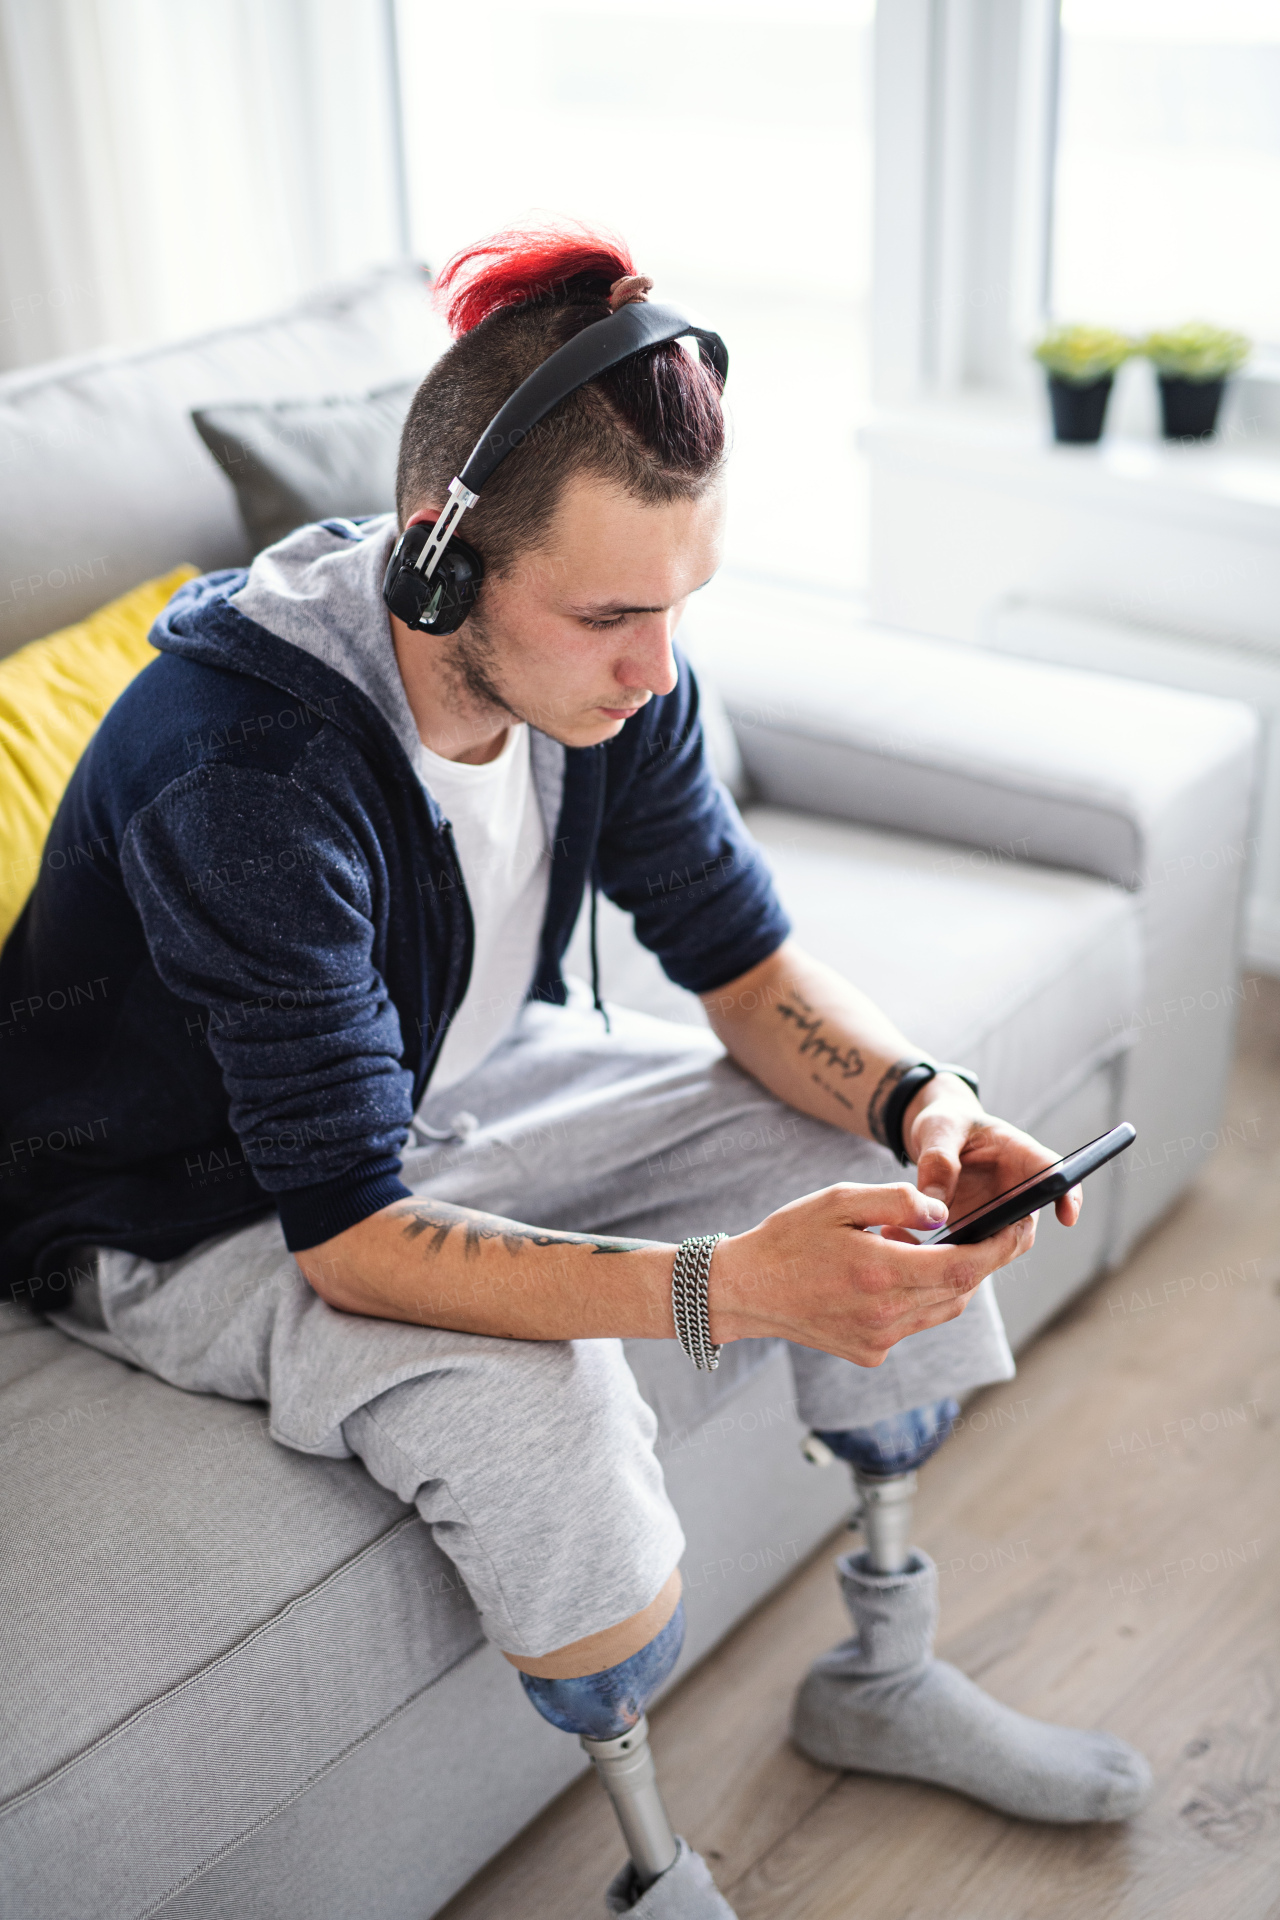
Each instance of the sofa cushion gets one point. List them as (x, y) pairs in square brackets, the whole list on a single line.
[(1030, 761), (114, 480), (53, 693), (173, 1583), (722, 742), (244, 1681), (294, 461), (1025, 973), (200, 1630)]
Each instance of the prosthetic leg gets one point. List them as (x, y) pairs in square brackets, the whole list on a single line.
[(881, 1703), (884, 1459), (664, 1879)]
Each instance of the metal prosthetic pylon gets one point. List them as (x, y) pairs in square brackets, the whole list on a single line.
[(885, 1518), (628, 1776)]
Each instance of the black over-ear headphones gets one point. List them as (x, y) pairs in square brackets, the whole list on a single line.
[(433, 577)]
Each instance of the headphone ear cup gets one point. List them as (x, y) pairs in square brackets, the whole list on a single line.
[(438, 605)]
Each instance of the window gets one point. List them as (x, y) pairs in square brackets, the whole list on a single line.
[(1167, 188), (729, 142)]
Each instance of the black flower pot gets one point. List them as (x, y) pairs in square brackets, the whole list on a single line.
[(1189, 407), (1078, 412)]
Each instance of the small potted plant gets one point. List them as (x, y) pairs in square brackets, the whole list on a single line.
[(1193, 364), (1081, 364)]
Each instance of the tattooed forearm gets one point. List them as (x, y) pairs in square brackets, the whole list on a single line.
[(438, 1218), (835, 1092), (880, 1098), (846, 1060)]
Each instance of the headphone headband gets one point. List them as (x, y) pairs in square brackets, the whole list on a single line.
[(593, 351)]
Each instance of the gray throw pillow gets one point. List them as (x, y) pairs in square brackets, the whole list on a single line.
[(293, 461)]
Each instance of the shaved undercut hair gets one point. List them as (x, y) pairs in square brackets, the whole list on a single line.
[(652, 426)]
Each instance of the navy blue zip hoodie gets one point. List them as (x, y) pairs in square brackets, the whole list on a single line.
[(250, 931)]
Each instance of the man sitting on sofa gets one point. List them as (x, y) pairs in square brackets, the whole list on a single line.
[(365, 1158)]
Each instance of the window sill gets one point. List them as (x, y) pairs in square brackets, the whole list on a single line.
[(1233, 482)]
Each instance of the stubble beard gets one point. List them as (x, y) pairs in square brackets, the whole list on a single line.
[(472, 668), (471, 665)]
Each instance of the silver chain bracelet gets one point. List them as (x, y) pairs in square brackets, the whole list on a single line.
[(689, 1308)]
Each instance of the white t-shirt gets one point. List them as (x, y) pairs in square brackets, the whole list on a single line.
[(502, 848)]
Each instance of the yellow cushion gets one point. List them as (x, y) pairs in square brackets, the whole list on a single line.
[(53, 693)]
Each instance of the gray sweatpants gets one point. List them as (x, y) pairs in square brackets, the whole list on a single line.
[(532, 1462)]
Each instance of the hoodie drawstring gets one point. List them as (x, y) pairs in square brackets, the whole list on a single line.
[(600, 1007)]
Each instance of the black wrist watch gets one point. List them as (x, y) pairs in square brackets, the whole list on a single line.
[(915, 1074)]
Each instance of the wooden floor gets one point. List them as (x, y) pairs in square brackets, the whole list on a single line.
[(1106, 1527)]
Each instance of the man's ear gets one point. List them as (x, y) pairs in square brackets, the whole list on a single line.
[(424, 516)]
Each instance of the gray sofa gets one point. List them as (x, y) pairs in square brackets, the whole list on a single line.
[(238, 1681)]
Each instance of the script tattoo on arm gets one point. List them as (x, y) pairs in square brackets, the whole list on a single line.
[(438, 1218), (880, 1098), (814, 1045)]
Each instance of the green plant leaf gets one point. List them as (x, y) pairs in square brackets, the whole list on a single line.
[(1197, 351), (1082, 355)]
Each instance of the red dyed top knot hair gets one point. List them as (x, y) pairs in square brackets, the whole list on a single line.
[(558, 264)]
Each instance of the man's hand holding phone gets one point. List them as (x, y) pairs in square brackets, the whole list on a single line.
[(813, 1274), (966, 1157)]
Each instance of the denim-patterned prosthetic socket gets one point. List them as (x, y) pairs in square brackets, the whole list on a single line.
[(899, 1444), (601, 1706)]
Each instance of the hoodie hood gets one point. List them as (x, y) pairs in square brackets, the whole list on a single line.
[(307, 618), (320, 590)]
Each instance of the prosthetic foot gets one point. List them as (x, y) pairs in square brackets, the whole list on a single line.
[(881, 1703), (664, 1879)]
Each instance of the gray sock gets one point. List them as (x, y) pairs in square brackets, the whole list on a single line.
[(685, 1891), (880, 1703)]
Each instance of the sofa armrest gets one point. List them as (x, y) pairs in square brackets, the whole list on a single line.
[(1150, 788), (1014, 757)]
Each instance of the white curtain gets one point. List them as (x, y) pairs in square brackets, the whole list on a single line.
[(172, 165)]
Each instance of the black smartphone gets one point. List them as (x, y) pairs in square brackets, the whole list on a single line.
[(1038, 1190)]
